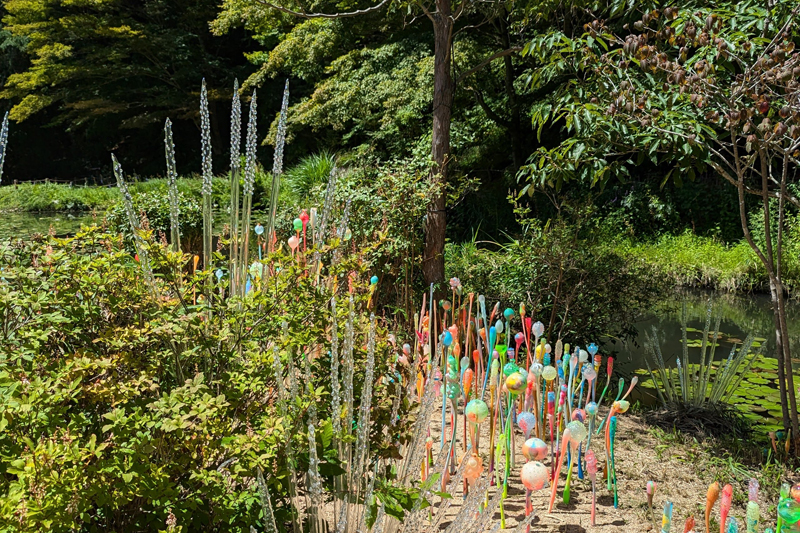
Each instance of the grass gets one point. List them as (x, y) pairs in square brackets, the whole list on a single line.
[(695, 261), (40, 197), (58, 197)]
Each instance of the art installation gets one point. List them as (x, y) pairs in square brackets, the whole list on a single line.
[(496, 370)]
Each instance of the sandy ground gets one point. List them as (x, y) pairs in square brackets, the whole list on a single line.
[(682, 473)]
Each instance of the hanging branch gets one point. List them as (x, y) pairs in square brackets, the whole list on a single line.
[(303, 14)]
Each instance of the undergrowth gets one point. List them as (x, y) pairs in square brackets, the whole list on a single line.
[(694, 261)]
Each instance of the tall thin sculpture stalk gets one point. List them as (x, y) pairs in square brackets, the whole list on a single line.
[(247, 204), (138, 242), (698, 387), (172, 183), (236, 164), (277, 165), (3, 143), (205, 130)]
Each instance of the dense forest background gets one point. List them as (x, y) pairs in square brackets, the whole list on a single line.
[(82, 79)]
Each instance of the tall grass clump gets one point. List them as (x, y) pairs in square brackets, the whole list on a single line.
[(310, 172), (45, 197)]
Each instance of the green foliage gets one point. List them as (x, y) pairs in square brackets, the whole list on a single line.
[(627, 108), (375, 98), (577, 287), (123, 408), (693, 261), (156, 50), (311, 172), (50, 197), (154, 210), (40, 197)]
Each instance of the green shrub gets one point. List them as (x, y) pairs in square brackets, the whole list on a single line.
[(153, 208), (125, 406), (579, 289)]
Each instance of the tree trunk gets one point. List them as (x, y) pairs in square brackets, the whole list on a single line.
[(436, 222), (780, 350), (784, 330)]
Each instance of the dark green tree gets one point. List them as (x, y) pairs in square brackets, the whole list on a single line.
[(115, 69)]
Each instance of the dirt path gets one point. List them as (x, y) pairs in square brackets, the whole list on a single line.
[(682, 474)]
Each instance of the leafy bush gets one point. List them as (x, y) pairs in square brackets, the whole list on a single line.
[(579, 289), (153, 207), (125, 407)]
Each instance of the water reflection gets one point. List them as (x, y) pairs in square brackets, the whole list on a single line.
[(740, 315), (15, 225)]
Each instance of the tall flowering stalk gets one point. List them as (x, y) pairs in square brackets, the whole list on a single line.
[(277, 165), (205, 130), (249, 181), (3, 143), (236, 153), (172, 182)]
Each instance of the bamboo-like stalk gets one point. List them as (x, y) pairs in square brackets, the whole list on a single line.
[(685, 347), (707, 371), (236, 164), (266, 503), (703, 349)]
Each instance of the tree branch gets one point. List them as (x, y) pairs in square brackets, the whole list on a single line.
[(346, 14), (488, 60), (488, 110)]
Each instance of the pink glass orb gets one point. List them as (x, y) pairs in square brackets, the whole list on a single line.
[(534, 475)]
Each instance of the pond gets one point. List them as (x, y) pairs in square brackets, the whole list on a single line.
[(740, 315), (19, 224)]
